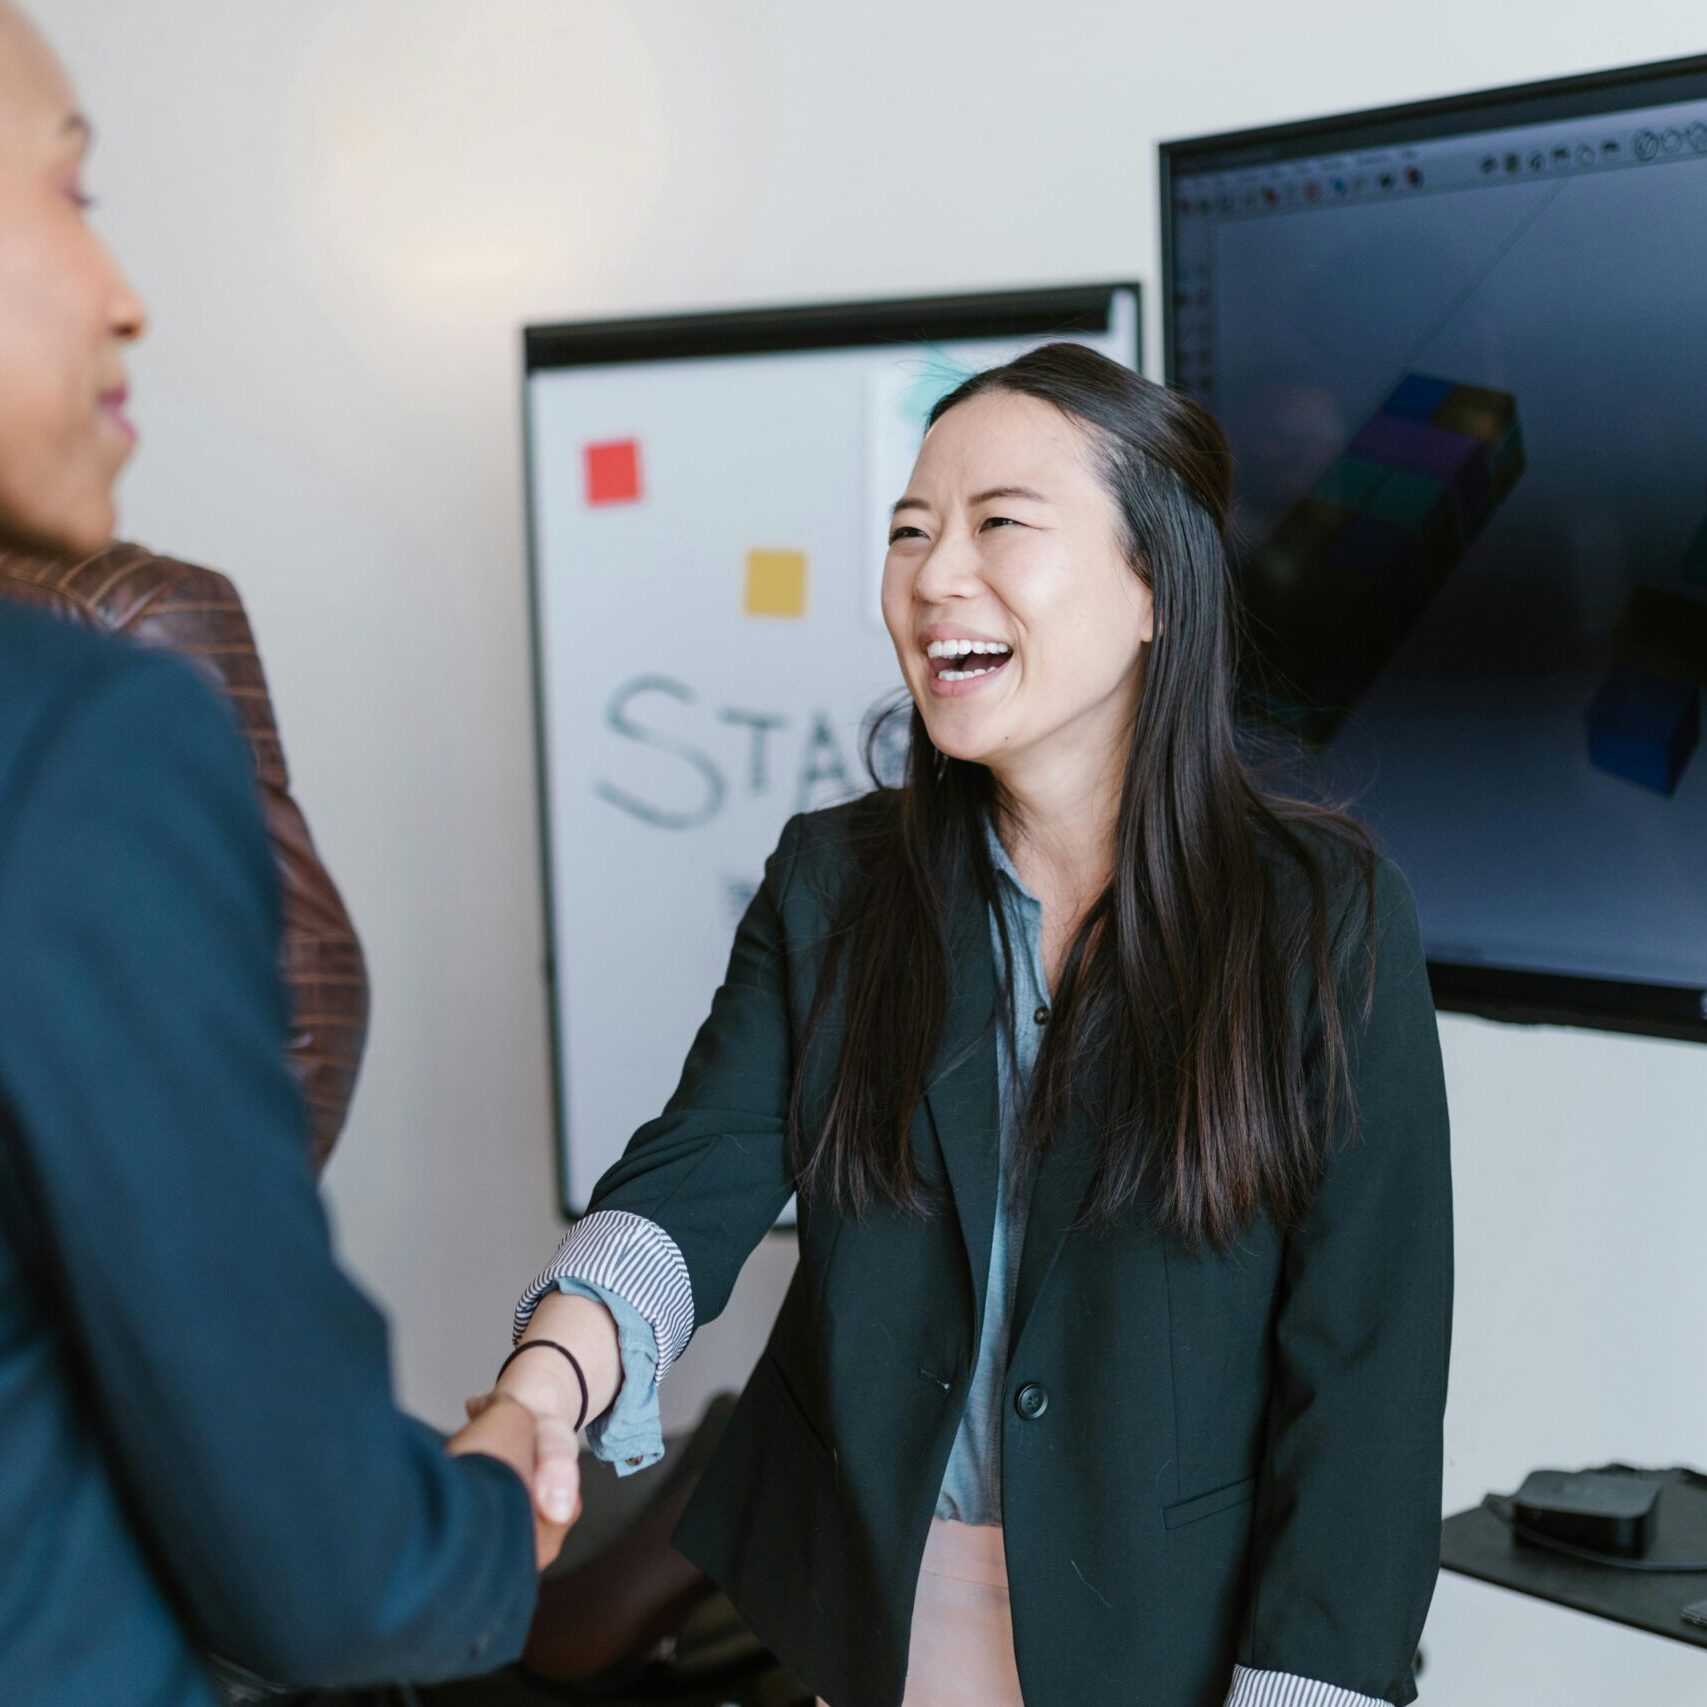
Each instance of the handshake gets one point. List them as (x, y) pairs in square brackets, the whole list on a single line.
[(565, 1372)]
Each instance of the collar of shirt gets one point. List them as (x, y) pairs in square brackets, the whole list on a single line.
[(1004, 865)]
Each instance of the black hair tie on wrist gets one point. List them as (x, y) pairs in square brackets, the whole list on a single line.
[(574, 1363)]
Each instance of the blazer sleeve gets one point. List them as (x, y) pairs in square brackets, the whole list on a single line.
[(238, 1380), (701, 1185), (1346, 1542)]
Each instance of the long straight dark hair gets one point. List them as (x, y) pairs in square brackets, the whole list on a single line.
[(1175, 1001)]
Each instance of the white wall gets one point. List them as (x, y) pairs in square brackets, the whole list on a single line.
[(342, 210)]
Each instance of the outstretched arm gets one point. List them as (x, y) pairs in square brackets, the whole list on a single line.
[(672, 1222), (239, 1381)]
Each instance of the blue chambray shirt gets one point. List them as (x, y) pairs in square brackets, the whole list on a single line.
[(630, 1434), (972, 1485)]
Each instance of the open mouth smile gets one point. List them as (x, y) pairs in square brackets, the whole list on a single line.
[(957, 664)]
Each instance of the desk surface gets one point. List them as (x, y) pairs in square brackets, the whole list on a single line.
[(1477, 1544)]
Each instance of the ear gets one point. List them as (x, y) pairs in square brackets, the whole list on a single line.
[(1147, 613)]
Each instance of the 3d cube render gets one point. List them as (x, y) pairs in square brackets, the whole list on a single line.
[(1490, 416), (1644, 727), (1349, 481), (776, 583), (1421, 505), (1476, 410), (1314, 609), (1458, 460), (1664, 633), (1347, 572), (1386, 555), (613, 472), (1417, 396)]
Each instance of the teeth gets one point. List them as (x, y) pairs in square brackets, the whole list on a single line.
[(966, 675), (964, 648)]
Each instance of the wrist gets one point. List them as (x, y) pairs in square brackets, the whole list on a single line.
[(544, 1381)]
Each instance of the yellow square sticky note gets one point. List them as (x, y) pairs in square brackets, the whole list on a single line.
[(776, 583)]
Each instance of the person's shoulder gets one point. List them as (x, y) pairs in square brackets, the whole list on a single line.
[(840, 828), (123, 588), (47, 656), (840, 838), (59, 678), (819, 851), (48, 664), (39, 650), (1332, 858), (1365, 900)]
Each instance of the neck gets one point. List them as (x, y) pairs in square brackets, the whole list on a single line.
[(1057, 820)]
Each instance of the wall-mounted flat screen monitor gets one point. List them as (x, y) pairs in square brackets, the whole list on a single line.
[(1460, 351)]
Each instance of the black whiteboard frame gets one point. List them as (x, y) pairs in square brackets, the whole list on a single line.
[(1059, 310), (1515, 995)]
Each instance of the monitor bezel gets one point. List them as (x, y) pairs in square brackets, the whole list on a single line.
[(1509, 994)]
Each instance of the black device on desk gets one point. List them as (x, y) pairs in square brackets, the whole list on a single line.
[(1531, 1542), (1589, 1511)]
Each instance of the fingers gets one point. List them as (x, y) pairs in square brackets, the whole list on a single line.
[(557, 1471), (542, 1448), (548, 1538), (504, 1432)]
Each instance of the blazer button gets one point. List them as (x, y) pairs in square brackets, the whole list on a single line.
[(1031, 1401)]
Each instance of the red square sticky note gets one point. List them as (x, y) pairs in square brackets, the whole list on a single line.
[(613, 472)]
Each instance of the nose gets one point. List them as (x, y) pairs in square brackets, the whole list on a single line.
[(126, 316), (949, 570)]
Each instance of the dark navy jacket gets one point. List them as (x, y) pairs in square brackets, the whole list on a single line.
[(198, 1443)]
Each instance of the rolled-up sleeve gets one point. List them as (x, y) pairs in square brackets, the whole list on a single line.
[(672, 1222), (1282, 1689), (637, 1261)]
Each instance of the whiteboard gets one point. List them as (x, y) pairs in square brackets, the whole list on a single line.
[(708, 503)]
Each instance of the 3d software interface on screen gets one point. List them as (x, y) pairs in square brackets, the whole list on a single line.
[(1465, 381)]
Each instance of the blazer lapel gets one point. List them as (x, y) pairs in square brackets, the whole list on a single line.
[(962, 1093), (1060, 1188)]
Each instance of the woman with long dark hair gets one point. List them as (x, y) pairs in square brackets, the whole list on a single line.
[(1108, 1081)]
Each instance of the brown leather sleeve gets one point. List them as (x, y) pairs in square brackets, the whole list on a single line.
[(167, 605)]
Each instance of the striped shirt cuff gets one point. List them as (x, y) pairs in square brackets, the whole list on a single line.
[(1282, 1689), (636, 1259)]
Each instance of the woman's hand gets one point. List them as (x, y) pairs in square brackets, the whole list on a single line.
[(501, 1427), (543, 1384)]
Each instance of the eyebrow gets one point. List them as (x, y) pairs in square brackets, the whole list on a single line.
[(986, 497)]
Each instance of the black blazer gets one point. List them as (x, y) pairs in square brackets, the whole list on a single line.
[(1218, 1459), (200, 1445)]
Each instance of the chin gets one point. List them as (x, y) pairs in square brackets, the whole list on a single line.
[(74, 533), (971, 746)]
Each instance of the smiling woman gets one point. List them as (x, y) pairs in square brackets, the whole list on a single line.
[(1083, 1053), (66, 315), (1063, 509), (1031, 564)]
